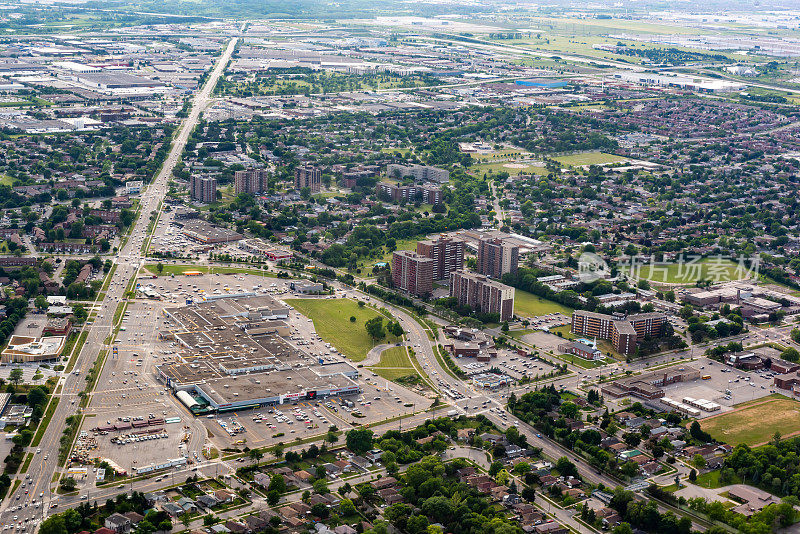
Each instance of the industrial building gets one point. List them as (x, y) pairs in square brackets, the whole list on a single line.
[(234, 355)]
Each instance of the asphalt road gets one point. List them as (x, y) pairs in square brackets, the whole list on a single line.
[(45, 463)]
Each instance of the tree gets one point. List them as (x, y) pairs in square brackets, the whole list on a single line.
[(53, 525), (566, 468), (159, 267), (359, 440), (15, 376), (255, 455), (41, 302), (347, 508), (693, 475), (68, 484), (375, 328), (273, 497), (277, 483)]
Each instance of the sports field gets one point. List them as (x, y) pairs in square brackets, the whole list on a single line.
[(688, 271), (529, 305), (332, 322), (589, 158), (756, 423)]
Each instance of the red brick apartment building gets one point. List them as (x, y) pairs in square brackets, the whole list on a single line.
[(412, 272), (446, 253), (482, 294), (623, 332)]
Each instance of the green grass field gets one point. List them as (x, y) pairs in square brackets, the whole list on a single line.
[(395, 357), (180, 269), (756, 423), (332, 321), (529, 305), (589, 158), (368, 263), (513, 168), (394, 364), (713, 269)]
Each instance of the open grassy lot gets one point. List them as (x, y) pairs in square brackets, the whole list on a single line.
[(502, 153), (529, 305), (394, 364), (589, 158), (395, 357), (689, 272), (756, 422), (368, 263), (180, 269), (513, 168), (332, 321)]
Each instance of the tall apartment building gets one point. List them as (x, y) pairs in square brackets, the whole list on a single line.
[(496, 257), (421, 173), (251, 181), (310, 177), (446, 253), (412, 272), (409, 193), (625, 333), (482, 294), (203, 189)]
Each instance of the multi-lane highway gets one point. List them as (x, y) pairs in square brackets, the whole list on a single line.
[(44, 466)]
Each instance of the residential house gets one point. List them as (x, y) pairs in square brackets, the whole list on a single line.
[(118, 523)]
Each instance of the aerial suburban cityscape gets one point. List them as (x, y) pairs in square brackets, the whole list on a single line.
[(491, 267)]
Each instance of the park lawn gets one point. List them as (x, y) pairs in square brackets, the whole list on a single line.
[(689, 272), (589, 158), (755, 423), (332, 322), (530, 305), (710, 480)]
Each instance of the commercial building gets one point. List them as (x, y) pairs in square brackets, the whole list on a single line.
[(310, 177), (260, 247), (208, 234), (203, 189), (251, 181), (482, 294), (22, 349), (496, 257), (134, 187), (421, 173), (409, 193), (447, 255), (412, 272), (650, 386), (233, 355), (624, 332)]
